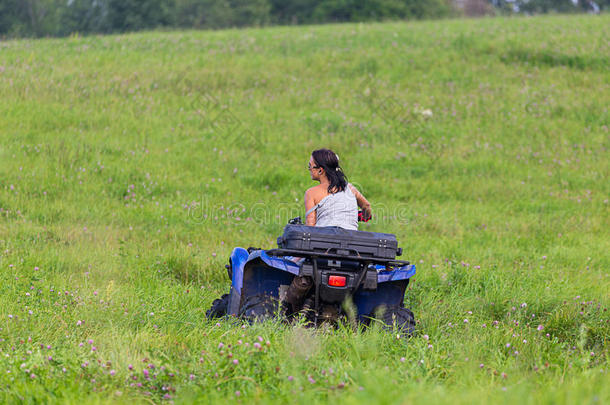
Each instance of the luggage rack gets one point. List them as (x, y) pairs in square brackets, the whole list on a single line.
[(337, 255)]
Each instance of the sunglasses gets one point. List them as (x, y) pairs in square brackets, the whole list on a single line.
[(312, 167)]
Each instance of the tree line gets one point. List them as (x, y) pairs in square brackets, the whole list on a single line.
[(64, 17)]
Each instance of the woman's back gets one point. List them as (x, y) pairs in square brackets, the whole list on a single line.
[(333, 202), (337, 209)]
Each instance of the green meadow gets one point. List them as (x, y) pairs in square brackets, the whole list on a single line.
[(131, 165)]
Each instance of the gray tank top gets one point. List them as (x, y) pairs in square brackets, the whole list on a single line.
[(338, 209)]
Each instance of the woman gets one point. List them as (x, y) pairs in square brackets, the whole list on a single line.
[(333, 202)]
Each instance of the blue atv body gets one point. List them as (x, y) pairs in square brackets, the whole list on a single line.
[(262, 280), (258, 273)]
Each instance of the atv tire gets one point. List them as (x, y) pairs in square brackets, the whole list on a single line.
[(219, 307), (261, 307), (400, 318)]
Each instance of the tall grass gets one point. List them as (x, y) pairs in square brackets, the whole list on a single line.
[(131, 165)]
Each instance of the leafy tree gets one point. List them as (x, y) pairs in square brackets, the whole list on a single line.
[(29, 17), (365, 10), (250, 12), (83, 16), (203, 13), (292, 11), (133, 15), (8, 16)]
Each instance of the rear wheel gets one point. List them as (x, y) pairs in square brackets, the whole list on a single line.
[(396, 317), (261, 307), (219, 307)]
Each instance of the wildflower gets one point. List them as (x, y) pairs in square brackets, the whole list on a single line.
[(90, 341), (130, 367), (523, 305), (146, 373), (79, 323), (112, 372), (257, 346), (508, 345), (93, 348), (237, 393), (465, 320), (191, 377), (402, 359), (221, 345), (481, 365), (290, 378), (235, 362), (311, 380), (426, 337)]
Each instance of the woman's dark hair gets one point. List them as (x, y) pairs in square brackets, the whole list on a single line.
[(329, 161)]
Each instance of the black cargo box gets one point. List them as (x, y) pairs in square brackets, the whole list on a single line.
[(336, 240)]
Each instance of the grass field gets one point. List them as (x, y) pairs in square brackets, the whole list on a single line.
[(131, 165)]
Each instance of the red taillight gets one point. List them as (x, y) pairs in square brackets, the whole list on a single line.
[(336, 281)]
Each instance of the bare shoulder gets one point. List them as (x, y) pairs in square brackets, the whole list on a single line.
[(316, 192)]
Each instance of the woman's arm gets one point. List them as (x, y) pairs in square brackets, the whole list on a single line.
[(362, 203), (309, 203)]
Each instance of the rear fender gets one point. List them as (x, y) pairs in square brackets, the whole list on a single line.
[(264, 274), (258, 273), (239, 257), (401, 273), (391, 286)]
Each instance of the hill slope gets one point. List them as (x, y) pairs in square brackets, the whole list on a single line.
[(131, 165)]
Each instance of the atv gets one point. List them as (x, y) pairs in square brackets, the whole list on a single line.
[(321, 275)]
